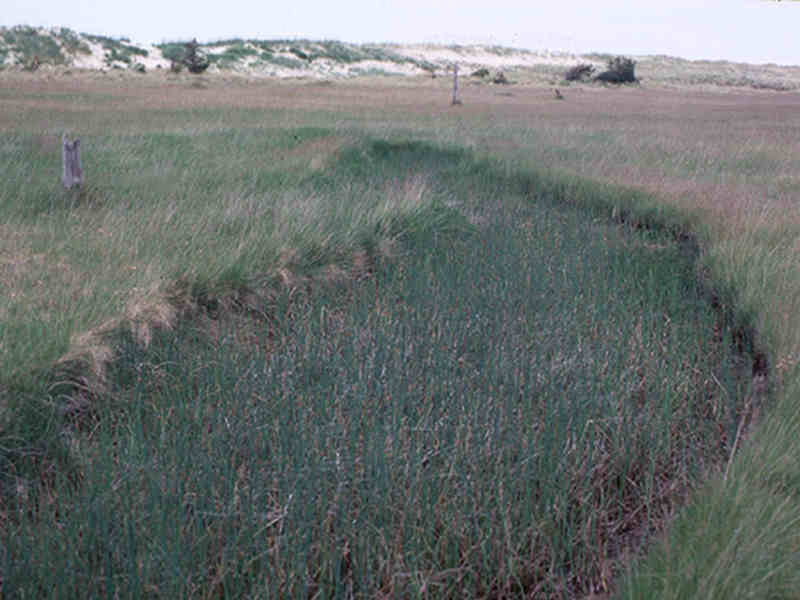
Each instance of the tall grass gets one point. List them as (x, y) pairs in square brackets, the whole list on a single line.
[(155, 238), (500, 412), (160, 210)]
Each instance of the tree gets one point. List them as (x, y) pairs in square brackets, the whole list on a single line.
[(620, 70), (193, 58), (581, 72)]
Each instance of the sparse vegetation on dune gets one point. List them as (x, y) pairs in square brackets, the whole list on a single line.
[(62, 48), (28, 43), (233, 257), (118, 50)]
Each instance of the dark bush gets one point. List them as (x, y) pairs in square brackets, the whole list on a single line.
[(609, 77), (483, 73), (620, 70), (299, 53), (581, 72), (500, 79), (195, 60)]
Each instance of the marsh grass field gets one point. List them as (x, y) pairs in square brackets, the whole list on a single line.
[(307, 339)]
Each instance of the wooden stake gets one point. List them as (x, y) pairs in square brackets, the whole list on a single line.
[(455, 86), (71, 154)]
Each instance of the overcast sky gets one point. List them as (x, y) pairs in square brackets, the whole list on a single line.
[(754, 31)]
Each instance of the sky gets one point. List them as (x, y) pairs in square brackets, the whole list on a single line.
[(755, 31)]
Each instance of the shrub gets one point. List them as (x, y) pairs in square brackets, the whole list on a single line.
[(299, 53), (193, 58), (581, 72), (620, 70), (483, 73), (609, 77), (186, 55), (500, 79), (173, 51)]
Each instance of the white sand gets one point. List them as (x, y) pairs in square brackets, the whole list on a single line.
[(97, 59), (480, 56), (94, 61)]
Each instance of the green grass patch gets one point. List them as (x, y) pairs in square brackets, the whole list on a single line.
[(496, 406)]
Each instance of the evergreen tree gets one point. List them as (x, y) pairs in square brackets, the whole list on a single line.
[(194, 59)]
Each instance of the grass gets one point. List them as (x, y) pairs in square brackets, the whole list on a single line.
[(28, 42), (166, 200), (675, 71), (382, 439), (721, 163)]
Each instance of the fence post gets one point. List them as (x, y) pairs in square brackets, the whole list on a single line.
[(71, 153), (455, 85)]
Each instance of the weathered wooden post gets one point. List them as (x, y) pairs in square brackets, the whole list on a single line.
[(71, 153), (455, 86)]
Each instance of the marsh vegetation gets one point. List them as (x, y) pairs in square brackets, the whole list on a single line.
[(351, 342)]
